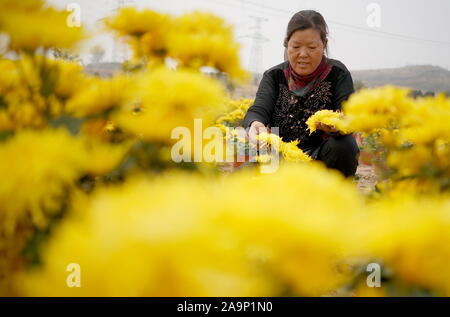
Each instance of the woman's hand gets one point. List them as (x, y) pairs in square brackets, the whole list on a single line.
[(326, 128), (255, 128)]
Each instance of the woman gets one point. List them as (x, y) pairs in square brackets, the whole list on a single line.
[(307, 82)]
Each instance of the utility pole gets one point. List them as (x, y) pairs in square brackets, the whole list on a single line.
[(256, 51)]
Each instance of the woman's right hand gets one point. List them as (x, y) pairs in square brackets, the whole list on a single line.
[(255, 128)]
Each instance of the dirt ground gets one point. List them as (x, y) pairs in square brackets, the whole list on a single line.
[(366, 178)]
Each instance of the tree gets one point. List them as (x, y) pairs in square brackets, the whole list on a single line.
[(97, 54), (416, 94), (65, 54), (358, 84)]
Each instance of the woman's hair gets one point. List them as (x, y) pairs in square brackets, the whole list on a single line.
[(307, 19)]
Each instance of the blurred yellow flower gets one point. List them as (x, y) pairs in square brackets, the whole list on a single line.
[(168, 99), (39, 188), (389, 137), (362, 290), (203, 39), (411, 161), (20, 79), (376, 108), (25, 115), (6, 123), (24, 5), (413, 187), (427, 121), (96, 96), (136, 240), (46, 28), (414, 242), (242, 234), (129, 245), (130, 21), (103, 157), (147, 30), (9, 76), (32, 91), (37, 169), (70, 77), (194, 40)]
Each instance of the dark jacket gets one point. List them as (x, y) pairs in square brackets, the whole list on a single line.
[(276, 106)]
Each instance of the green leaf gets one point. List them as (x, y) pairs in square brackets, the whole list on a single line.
[(70, 123), (5, 135), (3, 103)]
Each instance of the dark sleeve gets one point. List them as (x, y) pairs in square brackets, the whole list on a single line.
[(265, 100), (344, 88)]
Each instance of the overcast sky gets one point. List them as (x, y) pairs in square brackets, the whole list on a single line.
[(411, 32)]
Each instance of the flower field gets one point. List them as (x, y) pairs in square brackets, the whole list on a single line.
[(88, 175)]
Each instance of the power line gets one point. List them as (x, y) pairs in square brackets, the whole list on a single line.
[(406, 37), (260, 12), (265, 6)]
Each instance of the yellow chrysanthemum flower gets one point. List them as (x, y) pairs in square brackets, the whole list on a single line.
[(147, 30), (130, 21), (20, 78), (411, 137), (155, 249), (203, 39), (36, 188), (408, 187), (39, 189), (45, 28), (414, 242), (98, 128), (9, 76), (32, 91), (97, 96), (70, 77), (427, 121), (235, 116), (103, 157), (376, 108), (263, 158), (441, 151), (411, 161), (232, 244), (6, 123), (168, 99), (389, 137), (25, 115), (290, 151), (24, 5), (328, 117)]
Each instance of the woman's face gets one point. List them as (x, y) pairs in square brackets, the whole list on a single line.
[(305, 51)]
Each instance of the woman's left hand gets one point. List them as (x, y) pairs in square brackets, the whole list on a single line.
[(326, 128)]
